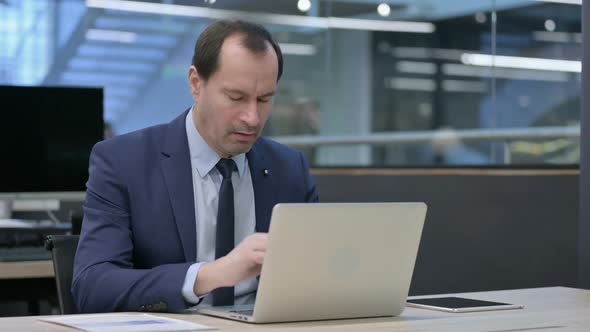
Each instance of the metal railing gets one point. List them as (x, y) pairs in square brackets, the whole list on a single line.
[(439, 137)]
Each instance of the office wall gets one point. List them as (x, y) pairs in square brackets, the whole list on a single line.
[(584, 228), (484, 230)]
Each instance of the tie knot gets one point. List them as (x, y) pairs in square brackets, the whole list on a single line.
[(226, 167)]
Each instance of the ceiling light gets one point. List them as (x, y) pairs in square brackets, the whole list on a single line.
[(383, 9), (464, 86), (379, 25), (303, 5), (263, 18), (297, 49), (557, 37), (417, 67), (411, 84), (453, 69), (565, 2), (550, 25), (480, 17), (488, 60), (111, 35)]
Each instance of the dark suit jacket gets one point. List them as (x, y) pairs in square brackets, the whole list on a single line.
[(138, 235)]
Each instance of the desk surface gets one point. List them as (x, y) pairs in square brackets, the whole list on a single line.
[(26, 270), (546, 309)]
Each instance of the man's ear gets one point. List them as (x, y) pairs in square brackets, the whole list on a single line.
[(194, 82)]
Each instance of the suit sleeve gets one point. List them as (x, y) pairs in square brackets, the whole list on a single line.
[(310, 187), (104, 276)]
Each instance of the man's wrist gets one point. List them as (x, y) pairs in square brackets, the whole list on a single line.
[(212, 275), (188, 286)]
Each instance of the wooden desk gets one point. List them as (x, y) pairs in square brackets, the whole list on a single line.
[(26, 270), (546, 309), (30, 281)]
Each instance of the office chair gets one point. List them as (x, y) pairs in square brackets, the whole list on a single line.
[(63, 250)]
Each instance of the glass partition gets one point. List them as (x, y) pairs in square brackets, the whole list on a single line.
[(399, 83)]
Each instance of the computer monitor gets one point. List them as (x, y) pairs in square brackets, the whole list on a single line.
[(46, 134)]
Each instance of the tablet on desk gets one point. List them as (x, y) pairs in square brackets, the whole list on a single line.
[(459, 304)]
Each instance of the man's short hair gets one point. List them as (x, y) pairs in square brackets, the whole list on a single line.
[(254, 37)]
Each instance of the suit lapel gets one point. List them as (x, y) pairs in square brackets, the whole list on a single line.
[(262, 181), (176, 167)]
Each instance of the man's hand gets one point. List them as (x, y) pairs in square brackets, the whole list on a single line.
[(243, 262)]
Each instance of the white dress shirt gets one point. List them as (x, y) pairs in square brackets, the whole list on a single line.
[(206, 184)]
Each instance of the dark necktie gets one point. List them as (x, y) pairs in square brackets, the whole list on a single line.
[(224, 236)]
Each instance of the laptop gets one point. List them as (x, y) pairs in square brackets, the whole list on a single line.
[(334, 261)]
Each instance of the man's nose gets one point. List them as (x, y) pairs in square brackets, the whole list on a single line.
[(250, 114)]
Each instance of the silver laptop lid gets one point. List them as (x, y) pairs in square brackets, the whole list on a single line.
[(338, 260)]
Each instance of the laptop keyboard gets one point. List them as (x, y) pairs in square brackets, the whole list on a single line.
[(243, 312)]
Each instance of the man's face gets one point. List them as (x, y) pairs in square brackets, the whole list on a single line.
[(232, 106)]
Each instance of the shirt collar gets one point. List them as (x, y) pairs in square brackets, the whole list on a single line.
[(203, 157)]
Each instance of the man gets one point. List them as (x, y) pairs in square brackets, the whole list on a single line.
[(166, 205)]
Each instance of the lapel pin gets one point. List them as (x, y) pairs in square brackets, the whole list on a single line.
[(265, 172)]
